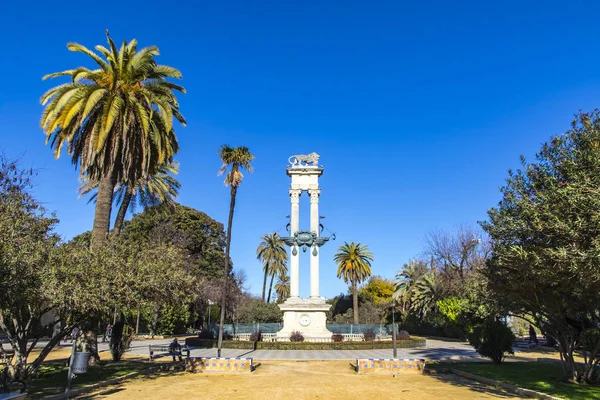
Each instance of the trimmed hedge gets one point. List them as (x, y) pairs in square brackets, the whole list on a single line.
[(246, 345)]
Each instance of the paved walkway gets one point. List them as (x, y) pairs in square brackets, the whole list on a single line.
[(434, 350)]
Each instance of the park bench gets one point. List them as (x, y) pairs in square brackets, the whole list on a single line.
[(389, 365), (220, 364), (157, 351)]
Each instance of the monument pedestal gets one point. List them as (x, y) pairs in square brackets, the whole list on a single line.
[(306, 316)]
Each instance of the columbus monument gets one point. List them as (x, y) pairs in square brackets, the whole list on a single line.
[(305, 315)]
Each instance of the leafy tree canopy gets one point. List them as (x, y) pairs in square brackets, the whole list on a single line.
[(201, 236), (545, 240)]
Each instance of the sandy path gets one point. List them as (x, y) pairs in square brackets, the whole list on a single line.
[(299, 380)]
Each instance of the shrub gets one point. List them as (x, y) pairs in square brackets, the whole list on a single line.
[(120, 341), (337, 337), (369, 334), (492, 339), (206, 334), (296, 337), (402, 335), (256, 336)]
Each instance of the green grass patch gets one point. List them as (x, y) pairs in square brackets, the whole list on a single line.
[(541, 376), (52, 377), (364, 345)]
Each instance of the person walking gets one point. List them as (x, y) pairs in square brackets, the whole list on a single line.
[(74, 334), (532, 335)]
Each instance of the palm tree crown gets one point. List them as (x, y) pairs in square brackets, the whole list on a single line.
[(282, 288), (354, 262), (235, 159), (271, 252), (119, 115), (159, 188)]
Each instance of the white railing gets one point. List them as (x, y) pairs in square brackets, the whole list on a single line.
[(272, 337)]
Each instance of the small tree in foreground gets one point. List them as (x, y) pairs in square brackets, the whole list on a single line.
[(121, 339), (492, 339)]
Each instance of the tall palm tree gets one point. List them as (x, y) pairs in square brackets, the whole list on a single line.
[(406, 281), (282, 288), (116, 121), (158, 188), (271, 252), (354, 266), (234, 161)]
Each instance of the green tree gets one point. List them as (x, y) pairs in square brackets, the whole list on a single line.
[(271, 252), (117, 120), (26, 244), (545, 247), (282, 288), (354, 266), (379, 291), (201, 237), (158, 188), (425, 294), (234, 161), (406, 281)]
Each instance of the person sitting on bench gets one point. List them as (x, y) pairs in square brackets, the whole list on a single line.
[(175, 349)]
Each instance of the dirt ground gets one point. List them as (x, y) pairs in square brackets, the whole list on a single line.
[(299, 380)]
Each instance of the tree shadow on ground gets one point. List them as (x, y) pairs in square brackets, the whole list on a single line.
[(474, 386)]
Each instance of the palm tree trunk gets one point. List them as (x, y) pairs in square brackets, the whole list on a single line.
[(103, 210), (265, 282), (122, 211), (355, 301), (226, 270), (270, 288)]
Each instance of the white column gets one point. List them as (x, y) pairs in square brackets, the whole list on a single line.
[(294, 259), (314, 227)]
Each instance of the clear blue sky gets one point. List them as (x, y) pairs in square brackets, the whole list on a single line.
[(417, 110)]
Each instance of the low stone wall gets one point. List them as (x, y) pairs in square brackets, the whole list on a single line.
[(219, 364), (390, 365)]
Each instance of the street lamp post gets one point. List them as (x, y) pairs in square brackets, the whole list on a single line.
[(394, 328)]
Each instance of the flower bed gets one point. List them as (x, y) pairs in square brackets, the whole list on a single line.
[(364, 345)]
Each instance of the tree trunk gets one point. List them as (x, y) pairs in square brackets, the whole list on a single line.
[(103, 210), (154, 321), (265, 282), (226, 270), (91, 345), (270, 288), (122, 211), (355, 301), (137, 322)]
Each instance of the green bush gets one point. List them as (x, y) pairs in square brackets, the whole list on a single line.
[(247, 345), (369, 334), (296, 337), (402, 335), (492, 339), (337, 337)]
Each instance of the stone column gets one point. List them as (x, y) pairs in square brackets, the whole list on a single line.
[(314, 251), (294, 259)]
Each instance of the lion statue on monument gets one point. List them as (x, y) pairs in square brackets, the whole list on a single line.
[(302, 160)]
